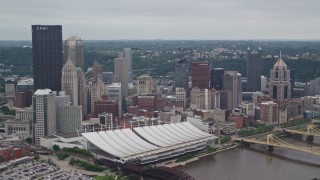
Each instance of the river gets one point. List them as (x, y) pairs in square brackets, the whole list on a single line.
[(255, 163)]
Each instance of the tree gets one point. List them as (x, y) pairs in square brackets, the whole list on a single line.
[(5, 110), (29, 140), (56, 147), (37, 157)]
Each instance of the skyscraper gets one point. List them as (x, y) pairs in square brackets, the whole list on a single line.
[(47, 56), (61, 98), (216, 80), (96, 92), (114, 93), (121, 75), (73, 49), (97, 70), (69, 81), (200, 75), (128, 56), (200, 98), (108, 77), (82, 95), (254, 71), (70, 118), (269, 113), (182, 72), (44, 114), (280, 86), (232, 82), (144, 84)]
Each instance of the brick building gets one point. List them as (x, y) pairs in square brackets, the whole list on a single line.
[(10, 152), (106, 106), (200, 74)]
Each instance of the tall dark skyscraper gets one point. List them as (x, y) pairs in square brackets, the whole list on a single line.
[(47, 56), (254, 71), (216, 78), (200, 74), (182, 72)]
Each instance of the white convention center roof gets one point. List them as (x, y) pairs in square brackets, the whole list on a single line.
[(150, 142)]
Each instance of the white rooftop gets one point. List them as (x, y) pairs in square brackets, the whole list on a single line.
[(28, 81), (115, 85), (43, 92), (150, 143)]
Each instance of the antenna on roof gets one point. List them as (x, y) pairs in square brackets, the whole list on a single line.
[(280, 54)]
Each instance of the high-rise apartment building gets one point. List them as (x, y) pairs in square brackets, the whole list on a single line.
[(254, 71), (280, 86), (47, 56), (73, 49), (200, 75), (128, 56), (44, 114), (182, 73), (70, 118), (69, 81), (232, 82), (144, 84), (121, 75)]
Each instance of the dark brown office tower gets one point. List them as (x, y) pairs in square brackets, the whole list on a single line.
[(47, 56), (200, 74)]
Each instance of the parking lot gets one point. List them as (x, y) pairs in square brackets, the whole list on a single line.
[(38, 170)]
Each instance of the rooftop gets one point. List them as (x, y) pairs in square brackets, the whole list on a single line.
[(25, 82), (280, 64), (68, 134), (43, 92)]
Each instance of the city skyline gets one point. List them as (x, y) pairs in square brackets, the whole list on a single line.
[(165, 19)]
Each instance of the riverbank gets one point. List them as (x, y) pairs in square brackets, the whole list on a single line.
[(176, 164)]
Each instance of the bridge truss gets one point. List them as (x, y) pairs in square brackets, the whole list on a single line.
[(272, 140), (310, 130)]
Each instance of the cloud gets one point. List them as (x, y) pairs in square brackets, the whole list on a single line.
[(164, 19)]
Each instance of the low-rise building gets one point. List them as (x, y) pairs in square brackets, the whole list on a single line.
[(64, 140), (200, 124), (10, 152), (21, 125)]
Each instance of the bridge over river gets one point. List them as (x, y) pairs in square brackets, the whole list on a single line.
[(271, 140)]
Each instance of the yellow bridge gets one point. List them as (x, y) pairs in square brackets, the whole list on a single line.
[(310, 130), (273, 141)]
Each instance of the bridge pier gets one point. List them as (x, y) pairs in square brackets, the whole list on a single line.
[(309, 138), (269, 148), (245, 144)]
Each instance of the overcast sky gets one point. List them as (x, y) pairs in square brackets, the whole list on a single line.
[(164, 19)]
